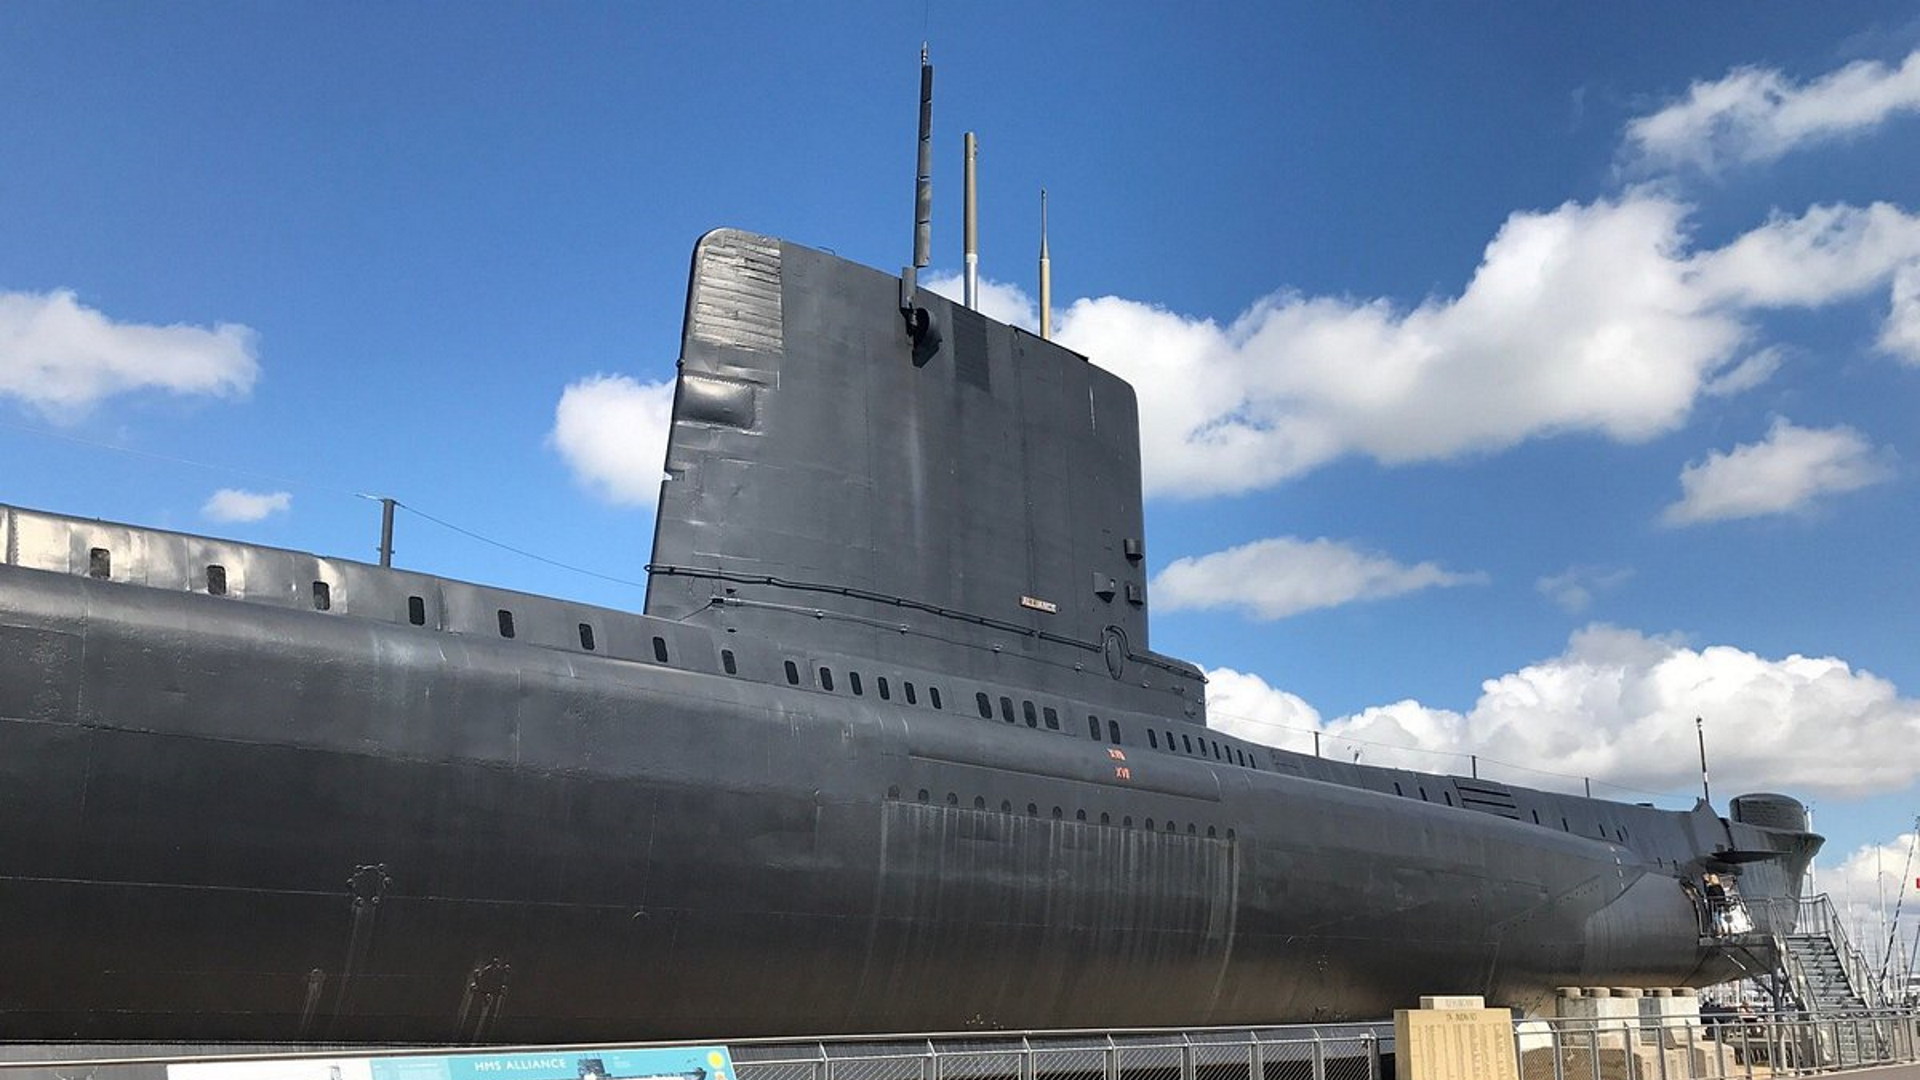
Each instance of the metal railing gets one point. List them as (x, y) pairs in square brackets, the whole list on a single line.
[(1631, 1047), (1283, 1053), (1732, 1047)]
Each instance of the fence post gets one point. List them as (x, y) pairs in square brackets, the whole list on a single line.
[(1256, 1058)]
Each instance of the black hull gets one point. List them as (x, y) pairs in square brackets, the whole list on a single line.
[(388, 836)]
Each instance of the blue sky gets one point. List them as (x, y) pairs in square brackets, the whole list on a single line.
[(1518, 381)]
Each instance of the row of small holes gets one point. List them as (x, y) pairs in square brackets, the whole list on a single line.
[(1228, 753), (854, 684), (1033, 810)]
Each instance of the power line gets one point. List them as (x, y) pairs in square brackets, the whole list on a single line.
[(1483, 759)]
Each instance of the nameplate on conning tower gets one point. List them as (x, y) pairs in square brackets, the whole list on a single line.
[(1047, 606)]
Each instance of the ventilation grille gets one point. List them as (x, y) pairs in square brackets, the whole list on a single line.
[(1487, 796), (970, 348), (736, 292)]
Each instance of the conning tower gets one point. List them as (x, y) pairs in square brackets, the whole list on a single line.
[(937, 484)]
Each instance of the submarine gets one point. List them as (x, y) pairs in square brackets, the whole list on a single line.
[(887, 750)]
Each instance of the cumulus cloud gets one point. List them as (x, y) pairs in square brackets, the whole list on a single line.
[(998, 300), (1597, 318), (1900, 336), (1866, 886), (1759, 114), (1272, 579), (62, 357), (1573, 588), (1784, 472), (612, 432), (1618, 706), (232, 504)]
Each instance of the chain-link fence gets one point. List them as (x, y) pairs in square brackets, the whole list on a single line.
[(1288, 1053), (1733, 1047), (1736, 1047)]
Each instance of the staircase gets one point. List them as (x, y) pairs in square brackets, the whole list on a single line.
[(1833, 984), (1817, 970)]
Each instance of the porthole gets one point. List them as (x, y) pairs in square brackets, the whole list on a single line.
[(1153, 740), (727, 662), (99, 563), (925, 795), (979, 802), (793, 673), (1079, 815), (1052, 717), (853, 683), (1093, 727), (1104, 819), (933, 696), (1149, 825), (417, 610), (1127, 822), (660, 649), (322, 596), (893, 791), (880, 684), (826, 678), (1006, 806), (985, 704), (912, 698), (1032, 715), (216, 580), (1187, 741), (586, 638), (1006, 708), (1113, 731), (1056, 813), (1210, 833), (953, 799), (506, 623)]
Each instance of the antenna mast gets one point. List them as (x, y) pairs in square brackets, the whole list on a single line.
[(1700, 729), (972, 216), (923, 181), (1046, 275)]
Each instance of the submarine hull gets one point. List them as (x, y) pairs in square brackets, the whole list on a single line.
[(225, 826)]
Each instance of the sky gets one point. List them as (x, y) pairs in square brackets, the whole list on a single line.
[(1518, 381)]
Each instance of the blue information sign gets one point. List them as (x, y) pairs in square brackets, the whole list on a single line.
[(668, 1063)]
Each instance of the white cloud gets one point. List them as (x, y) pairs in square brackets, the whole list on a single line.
[(1826, 254), (232, 504), (1784, 472), (1586, 318), (1272, 579), (1866, 886), (998, 300), (1573, 588), (1619, 707), (612, 432), (1900, 336), (1758, 114), (62, 357)]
